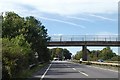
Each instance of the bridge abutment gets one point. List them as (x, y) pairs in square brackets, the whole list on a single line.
[(84, 55)]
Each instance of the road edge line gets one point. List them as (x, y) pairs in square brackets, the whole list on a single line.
[(45, 72)]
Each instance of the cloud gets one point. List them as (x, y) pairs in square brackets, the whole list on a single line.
[(61, 21), (62, 7), (78, 18), (101, 17), (56, 35)]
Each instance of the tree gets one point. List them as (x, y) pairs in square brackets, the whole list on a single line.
[(32, 29), (36, 34), (11, 25), (60, 53), (115, 58), (106, 53), (67, 54), (15, 55), (78, 55), (22, 38), (94, 55)]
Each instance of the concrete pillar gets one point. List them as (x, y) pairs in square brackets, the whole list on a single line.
[(84, 55)]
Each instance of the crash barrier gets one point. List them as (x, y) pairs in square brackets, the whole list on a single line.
[(98, 63), (33, 65)]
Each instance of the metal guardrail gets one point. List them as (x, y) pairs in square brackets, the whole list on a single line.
[(100, 63), (84, 38), (104, 63)]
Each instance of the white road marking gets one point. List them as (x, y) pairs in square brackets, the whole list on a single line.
[(103, 68), (46, 72), (74, 69), (80, 71), (83, 73)]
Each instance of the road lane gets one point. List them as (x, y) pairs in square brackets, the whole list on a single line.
[(59, 69), (63, 70), (95, 72)]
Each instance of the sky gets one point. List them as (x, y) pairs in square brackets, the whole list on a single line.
[(70, 17)]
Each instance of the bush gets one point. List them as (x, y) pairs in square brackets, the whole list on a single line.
[(15, 56)]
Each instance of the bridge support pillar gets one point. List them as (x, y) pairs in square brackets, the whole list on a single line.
[(84, 55)]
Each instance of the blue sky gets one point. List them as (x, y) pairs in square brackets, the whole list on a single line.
[(70, 17)]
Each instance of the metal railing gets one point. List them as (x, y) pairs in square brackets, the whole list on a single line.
[(84, 38)]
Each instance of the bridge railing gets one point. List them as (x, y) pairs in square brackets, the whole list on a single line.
[(84, 38)]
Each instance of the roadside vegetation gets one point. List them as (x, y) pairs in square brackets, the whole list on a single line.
[(105, 54), (24, 42), (60, 53)]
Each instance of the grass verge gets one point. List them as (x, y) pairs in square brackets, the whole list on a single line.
[(29, 72)]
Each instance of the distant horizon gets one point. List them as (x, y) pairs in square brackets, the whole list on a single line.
[(75, 49)]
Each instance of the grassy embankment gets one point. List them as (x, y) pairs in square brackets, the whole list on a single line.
[(29, 72)]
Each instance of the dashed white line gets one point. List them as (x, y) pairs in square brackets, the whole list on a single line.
[(45, 72), (103, 68), (83, 73), (73, 68)]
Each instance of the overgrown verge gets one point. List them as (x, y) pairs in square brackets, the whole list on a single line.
[(29, 72), (24, 42)]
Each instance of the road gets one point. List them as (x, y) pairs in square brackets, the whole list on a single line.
[(63, 70)]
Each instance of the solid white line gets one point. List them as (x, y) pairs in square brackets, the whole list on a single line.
[(46, 72), (83, 73), (73, 68)]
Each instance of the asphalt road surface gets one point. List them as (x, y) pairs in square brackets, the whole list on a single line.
[(63, 70)]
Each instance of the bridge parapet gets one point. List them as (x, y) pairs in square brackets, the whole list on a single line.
[(84, 38)]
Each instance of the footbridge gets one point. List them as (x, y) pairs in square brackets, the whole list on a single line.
[(84, 41)]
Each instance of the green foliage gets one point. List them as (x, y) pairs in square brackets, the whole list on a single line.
[(115, 58), (15, 55), (67, 54), (22, 38), (105, 54), (78, 55), (36, 34), (29, 72), (93, 55), (12, 23), (60, 53)]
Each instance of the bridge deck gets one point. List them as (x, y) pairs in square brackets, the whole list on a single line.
[(81, 43), (88, 40)]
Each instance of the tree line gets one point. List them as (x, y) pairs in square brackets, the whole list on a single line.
[(105, 54), (24, 42), (60, 53)]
